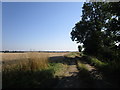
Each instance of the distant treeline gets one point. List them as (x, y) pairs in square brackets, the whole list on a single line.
[(7, 51)]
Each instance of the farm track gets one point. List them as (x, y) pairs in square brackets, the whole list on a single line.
[(71, 78)]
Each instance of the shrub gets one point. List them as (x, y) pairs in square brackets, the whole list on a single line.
[(107, 54)]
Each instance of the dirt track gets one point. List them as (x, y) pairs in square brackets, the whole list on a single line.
[(70, 79)]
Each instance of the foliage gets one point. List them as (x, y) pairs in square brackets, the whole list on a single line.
[(99, 29), (79, 48)]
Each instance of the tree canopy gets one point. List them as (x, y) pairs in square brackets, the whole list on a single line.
[(99, 28)]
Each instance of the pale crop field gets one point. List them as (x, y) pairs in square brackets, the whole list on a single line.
[(30, 60), (18, 56)]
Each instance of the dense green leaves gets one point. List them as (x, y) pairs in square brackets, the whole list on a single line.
[(99, 28)]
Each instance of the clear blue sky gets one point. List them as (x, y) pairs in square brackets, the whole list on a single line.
[(39, 25)]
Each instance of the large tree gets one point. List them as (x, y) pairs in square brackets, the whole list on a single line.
[(99, 27)]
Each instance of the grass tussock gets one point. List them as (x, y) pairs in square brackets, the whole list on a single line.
[(84, 71), (82, 66), (37, 61), (85, 74), (94, 61)]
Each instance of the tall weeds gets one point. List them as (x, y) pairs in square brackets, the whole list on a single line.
[(37, 61)]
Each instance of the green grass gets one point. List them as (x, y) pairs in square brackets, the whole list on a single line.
[(97, 63), (109, 67), (73, 54), (58, 68), (82, 66), (110, 70), (21, 79), (17, 78), (84, 71), (85, 74)]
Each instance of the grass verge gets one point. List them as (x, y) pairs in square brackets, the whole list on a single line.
[(110, 70)]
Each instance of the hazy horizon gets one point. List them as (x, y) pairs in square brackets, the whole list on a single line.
[(39, 26)]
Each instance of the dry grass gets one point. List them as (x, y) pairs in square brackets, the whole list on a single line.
[(32, 70), (37, 61), (29, 61), (18, 56), (13, 56)]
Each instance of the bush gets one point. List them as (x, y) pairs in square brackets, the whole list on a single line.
[(107, 54)]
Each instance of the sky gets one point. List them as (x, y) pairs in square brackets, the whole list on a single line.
[(39, 26)]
